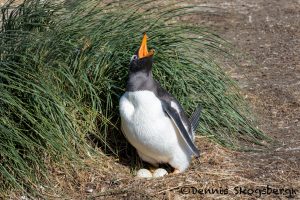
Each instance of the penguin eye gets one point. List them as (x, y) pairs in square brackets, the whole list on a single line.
[(134, 57)]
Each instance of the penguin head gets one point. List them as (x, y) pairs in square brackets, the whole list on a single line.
[(142, 60)]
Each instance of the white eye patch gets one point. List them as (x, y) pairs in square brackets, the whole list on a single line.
[(134, 57)]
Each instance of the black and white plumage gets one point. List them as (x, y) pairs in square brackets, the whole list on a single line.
[(153, 120)]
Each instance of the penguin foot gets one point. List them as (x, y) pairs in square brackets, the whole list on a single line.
[(144, 173), (176, 171), (160, 172)]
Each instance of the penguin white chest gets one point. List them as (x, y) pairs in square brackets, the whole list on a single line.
[(146, 125)]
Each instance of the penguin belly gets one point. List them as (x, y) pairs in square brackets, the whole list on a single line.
[(148, 128)]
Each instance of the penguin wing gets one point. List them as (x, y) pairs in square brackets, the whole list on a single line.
[(175, 116)]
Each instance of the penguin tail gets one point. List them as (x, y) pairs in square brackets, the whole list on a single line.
[(195, 118)]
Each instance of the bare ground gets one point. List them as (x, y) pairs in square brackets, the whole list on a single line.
[(268, 32)]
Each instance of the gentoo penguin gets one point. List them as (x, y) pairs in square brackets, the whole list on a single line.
[(152, 119)]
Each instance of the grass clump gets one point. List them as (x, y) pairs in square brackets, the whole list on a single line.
[(63, 68)]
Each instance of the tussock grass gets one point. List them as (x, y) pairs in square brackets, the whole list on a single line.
[(63, 68)]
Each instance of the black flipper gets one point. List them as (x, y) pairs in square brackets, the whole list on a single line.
[(175, 116), (195, 118)]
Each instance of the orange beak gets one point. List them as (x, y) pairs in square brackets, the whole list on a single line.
[(143, 51)]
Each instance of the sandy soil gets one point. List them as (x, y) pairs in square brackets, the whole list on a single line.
[(268, 31)]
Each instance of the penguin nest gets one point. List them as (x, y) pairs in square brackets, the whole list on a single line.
[(219, 168)]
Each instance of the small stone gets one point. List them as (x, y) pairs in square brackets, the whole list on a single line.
[(89, 190), (160, 172), (24, 198), (144, 173)]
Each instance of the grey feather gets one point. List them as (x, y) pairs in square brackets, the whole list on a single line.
[(178, 123)]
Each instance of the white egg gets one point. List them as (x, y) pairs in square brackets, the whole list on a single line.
[(144, 173), (160, 172)]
